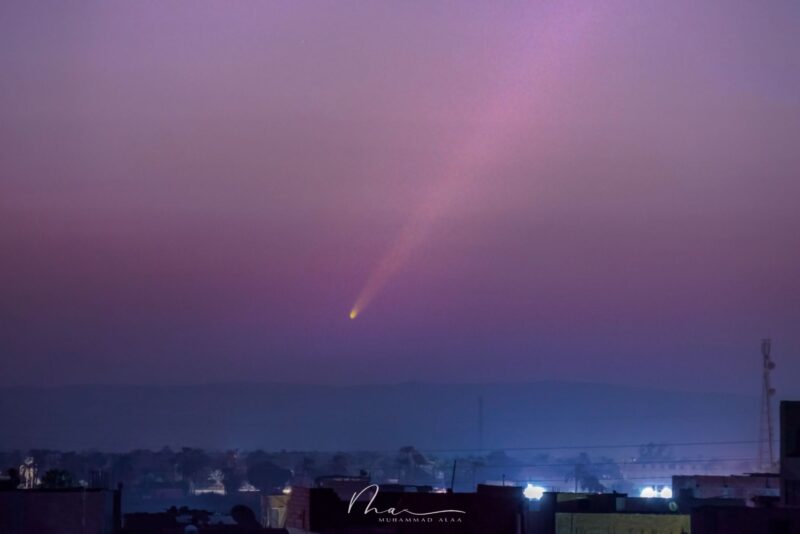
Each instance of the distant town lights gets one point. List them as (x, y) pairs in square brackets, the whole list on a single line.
[(650, 493), (532, 492)]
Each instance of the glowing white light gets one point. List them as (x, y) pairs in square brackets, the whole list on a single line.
[(648, 492), (665, 493), (533, 492)]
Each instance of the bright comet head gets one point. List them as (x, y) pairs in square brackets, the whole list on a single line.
[(353, 314)]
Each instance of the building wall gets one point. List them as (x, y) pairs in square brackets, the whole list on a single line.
[(622, 523), (726, 520), (273, 510), (727, 487), (298, 509), (790, 452), (56, 512)]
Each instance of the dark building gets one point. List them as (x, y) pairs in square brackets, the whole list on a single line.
[(763, 512), (184, 520), (748, 489), (745, 520), (60, 511), (344, 486), (790, 453), (603, 513)]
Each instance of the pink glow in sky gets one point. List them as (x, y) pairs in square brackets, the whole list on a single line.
[(597, 191), (491, 128)]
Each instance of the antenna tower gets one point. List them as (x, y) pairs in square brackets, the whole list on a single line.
[(766, 458)]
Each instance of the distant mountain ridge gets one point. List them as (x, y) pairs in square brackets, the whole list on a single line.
[(367, 417)]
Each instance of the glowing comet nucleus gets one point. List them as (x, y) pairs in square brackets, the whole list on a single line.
[(353, 313)]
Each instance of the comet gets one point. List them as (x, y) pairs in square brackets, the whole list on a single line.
[(498, 121)]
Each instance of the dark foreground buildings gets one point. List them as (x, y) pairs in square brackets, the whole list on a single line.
[(746, 504), (405, 509), (60, 511), (490, 509)]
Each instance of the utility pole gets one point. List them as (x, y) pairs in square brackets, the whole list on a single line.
[(766, 458), (480, 423), (576, 478)]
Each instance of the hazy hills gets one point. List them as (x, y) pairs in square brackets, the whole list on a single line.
[(314, 417)]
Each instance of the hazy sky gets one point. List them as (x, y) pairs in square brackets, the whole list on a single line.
[(597, 191)]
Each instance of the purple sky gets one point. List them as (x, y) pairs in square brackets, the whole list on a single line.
[(196, 192)]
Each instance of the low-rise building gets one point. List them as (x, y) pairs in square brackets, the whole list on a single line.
[(613, 523), (745, 520), (604, 513), (747, 488), (59, 511)]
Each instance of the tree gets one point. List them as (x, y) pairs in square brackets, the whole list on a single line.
[(232, 480), (500, 465), (57, 479), (191, 461), (588, 481), (257, 456), (584, 476), (306, 468), (14, 480), (268, 477), (411, 466), (244, 516), (339, 464), (122, 469), (654, 452)]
